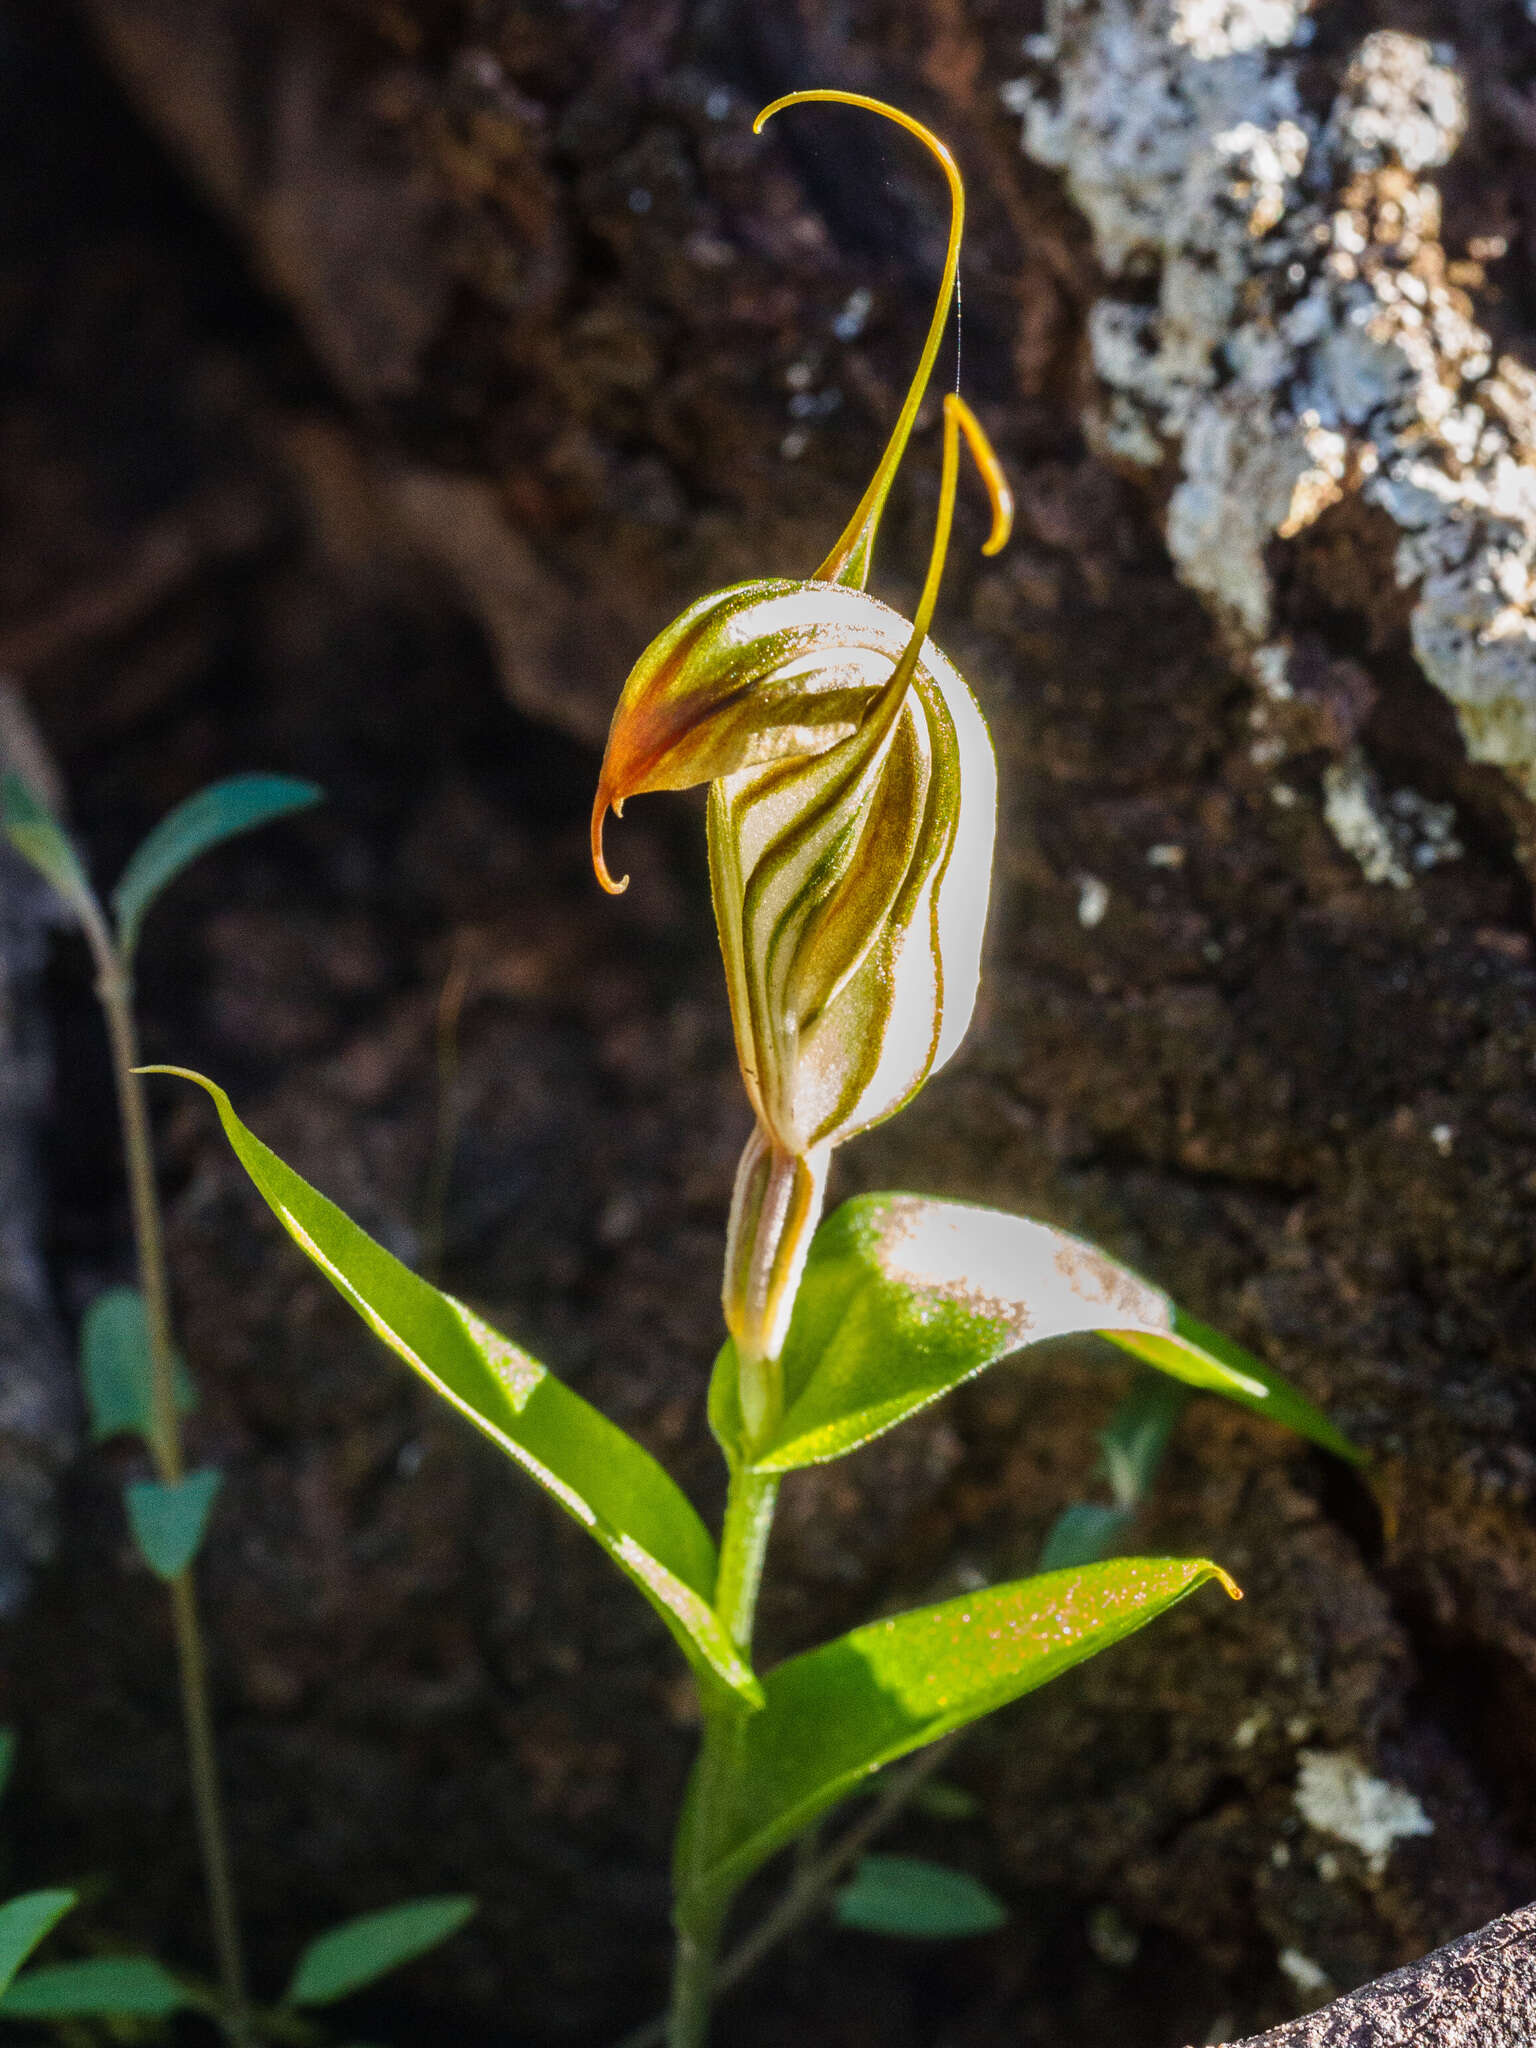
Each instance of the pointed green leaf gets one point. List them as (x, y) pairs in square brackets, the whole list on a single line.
[(345, 1958), (238, 804), (1082, 1534), (169, 1522), (921, 1901), (835, 1714), (1138, 1433), (597, 1473), (117, 1369), (1134, 1441), (904, 1298), (133, 1986), (7, 1757), (39, 838), (23, 1923)]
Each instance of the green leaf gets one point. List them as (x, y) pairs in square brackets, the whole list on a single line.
[(170, 1521), (1203, 1358), (117, 1369), (1138, 1432), (1134, 1441), (597, 1473), (904, 1298), (940, 1800), (908, 1896), (23, 1923), (1082, 1534), (346, 1958), (839, 1712), (7, 1757), (39, 838), (238, 804), (136, 1986)]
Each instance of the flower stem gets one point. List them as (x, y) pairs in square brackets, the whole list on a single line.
[(743, 1546), (701, 1907), (115, 989)]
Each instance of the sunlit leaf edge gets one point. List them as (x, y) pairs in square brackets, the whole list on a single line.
[(680, 1590), (745, 1848), (1183, 1347)]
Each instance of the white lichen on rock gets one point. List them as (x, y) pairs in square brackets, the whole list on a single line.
[(1393, 838), (1337, 1795), (1283, 328), (1308, 1977)]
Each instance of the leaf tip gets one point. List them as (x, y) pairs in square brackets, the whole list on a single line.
[(182, 1074), (1227, 1583)]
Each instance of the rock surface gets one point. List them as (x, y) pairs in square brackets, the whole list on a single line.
[(1479, 1992), (1286, 326), (492, 339), (37, 1407)]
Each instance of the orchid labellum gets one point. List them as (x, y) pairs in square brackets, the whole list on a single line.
[(852, 812)]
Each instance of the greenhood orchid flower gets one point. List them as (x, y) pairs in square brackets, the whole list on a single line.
[(851, 821)]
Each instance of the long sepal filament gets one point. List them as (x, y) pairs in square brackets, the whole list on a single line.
[(849, 561), (958, 420)]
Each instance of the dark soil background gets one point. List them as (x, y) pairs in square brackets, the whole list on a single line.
[(379, 375)]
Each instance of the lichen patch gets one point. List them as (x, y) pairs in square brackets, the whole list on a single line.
[(1281, 323), (1337, 1795)]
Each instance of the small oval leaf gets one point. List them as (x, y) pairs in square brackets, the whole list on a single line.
[(905, 1298), (839, 1712), (39, 838), (597, 1473), (132, 1986), (908, 1896), (345, 1958), (23, 1923), (117, 1369), (169, 1522), (238, 804)]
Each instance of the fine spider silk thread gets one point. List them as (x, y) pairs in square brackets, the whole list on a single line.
[(959, 329)]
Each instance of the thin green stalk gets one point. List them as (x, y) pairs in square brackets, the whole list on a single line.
[(811, 1884), (701, 1909), (116, 993), (813, 1879), (743, 1546), (115, 988)]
